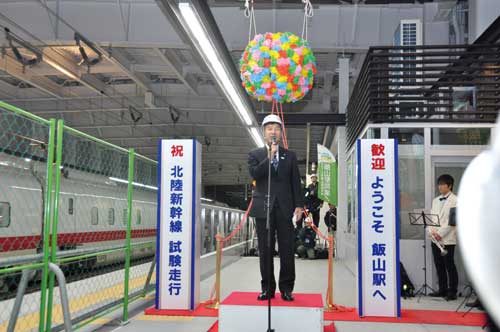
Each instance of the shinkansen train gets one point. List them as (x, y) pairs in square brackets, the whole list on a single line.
[(92, 213)]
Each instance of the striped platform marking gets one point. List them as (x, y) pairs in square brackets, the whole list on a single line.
[(30, 321), (164, 318)]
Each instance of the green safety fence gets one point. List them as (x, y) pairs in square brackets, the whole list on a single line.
[(91, 210), (26, 143)]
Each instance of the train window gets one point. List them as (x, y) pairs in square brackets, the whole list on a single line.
[(94, 216), (139, 217), (4, 214), (71, 209), (125, 216), (111, 216)]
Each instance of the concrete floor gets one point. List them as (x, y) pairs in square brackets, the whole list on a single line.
[(244, 276)]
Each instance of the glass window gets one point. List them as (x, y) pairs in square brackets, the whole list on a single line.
[(413, 136), (4, 214), (94, 216), (411, 188), (464, 98), (111, 216), (372, 133), (460, 136), (139, 217), (124, 216), (71, 210)]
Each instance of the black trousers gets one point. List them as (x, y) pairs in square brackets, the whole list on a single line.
[(446, 269), (286, 247), (315, 216)]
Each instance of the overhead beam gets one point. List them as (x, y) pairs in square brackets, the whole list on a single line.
[(15, 69), (215, 140), (176, 97), (147, 68), (168, 57), (8, 89), (119, 58), (60, 60), (302, 119), (230, 149), (144, 125), (123, 109)]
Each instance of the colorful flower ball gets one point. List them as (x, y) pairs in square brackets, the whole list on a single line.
[(277, 66)]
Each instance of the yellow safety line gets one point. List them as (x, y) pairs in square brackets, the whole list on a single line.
[(164, 318), (30, 321)]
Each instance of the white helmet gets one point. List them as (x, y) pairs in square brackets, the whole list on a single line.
[(271, 118)]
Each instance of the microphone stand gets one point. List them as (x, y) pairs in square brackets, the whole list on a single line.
[(268, 228)]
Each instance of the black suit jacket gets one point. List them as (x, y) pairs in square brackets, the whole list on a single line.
[(285, 182)]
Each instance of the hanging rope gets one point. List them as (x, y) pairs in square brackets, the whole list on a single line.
[(285, 140), (278, 110), (250, 14), (308, 13)]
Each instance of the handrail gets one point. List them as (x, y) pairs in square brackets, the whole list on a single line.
[(27, 275), (23, 113), (8, 264)]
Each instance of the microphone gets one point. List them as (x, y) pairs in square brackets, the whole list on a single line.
[(273, 140)]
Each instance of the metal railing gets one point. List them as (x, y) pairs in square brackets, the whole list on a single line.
[(424, 84)]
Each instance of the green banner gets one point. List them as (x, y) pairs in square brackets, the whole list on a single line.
[(327, 182), (327, 176)]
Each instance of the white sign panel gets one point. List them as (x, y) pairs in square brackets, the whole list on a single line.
[(378, 231), (178, 239)]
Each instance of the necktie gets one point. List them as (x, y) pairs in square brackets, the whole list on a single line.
[(274, 162), (442, 198)]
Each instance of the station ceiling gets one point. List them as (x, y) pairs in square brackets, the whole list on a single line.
[(150, 83)]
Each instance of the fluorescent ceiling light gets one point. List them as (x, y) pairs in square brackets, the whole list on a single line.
[(214, 63), (257, 137), (61, 68)]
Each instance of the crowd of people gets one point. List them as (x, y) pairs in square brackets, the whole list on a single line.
[(306, 244)]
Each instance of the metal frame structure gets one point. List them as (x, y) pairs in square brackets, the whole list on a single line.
[(50, 260), (415, 84)]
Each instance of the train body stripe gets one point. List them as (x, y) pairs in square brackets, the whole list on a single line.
[(13, 243)]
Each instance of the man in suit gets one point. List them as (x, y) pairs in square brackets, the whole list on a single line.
[(313, 202), (286, 202), (446, 234)]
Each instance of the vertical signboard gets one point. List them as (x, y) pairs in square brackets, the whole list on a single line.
[(327, 171), (178, 236), (378, 235)]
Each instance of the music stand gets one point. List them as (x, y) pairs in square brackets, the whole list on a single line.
[(426, 220)]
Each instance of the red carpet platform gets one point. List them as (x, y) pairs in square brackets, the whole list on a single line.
[(407, 316), (241, 298), (415, 317), (249, 298), (200, 311), (215, 327)]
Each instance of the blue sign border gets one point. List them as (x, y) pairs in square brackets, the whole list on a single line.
[(158, 228), (193, 227), (360, 247), (396, 235), (396, 195)]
